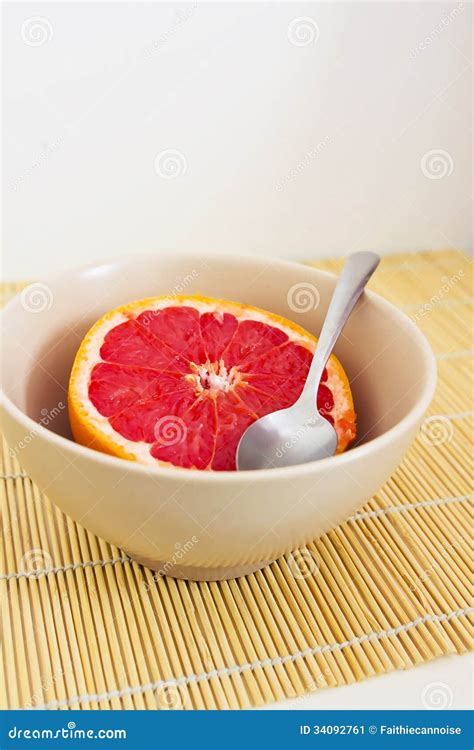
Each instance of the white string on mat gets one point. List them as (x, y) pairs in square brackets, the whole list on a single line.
[(356, 517), (261, 663), (409, 506), (64, 568)]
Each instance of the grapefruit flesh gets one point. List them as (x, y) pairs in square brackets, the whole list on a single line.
[(177, 380)]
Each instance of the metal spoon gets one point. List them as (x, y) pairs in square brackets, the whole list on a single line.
[(300, 434)]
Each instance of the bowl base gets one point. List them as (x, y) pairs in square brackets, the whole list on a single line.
[(188, 573)]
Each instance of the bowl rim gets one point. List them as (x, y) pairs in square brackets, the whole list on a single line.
[(408, 422)]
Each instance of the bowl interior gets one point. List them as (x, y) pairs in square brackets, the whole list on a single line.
[(379, 349)]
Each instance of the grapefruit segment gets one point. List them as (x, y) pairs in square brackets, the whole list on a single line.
[(287, 361), (217, 331), (177, 328), (233, 418), (177, 381), (251, 340), (114, 387), (131, 344), (187, 441), (138, 422)]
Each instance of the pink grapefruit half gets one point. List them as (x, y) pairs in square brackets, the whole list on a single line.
[(177, 380)]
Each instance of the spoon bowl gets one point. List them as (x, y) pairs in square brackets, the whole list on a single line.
[(271, 441)]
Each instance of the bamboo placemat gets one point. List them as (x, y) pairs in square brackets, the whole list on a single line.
[(84, 627)]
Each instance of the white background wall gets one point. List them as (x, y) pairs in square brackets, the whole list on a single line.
[(297, 150)]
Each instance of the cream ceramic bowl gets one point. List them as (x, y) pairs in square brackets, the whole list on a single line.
[(186, 523)]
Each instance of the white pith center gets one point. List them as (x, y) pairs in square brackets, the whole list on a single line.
[(214, 376)]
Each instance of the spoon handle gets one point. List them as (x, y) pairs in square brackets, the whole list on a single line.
[(357, 270)]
